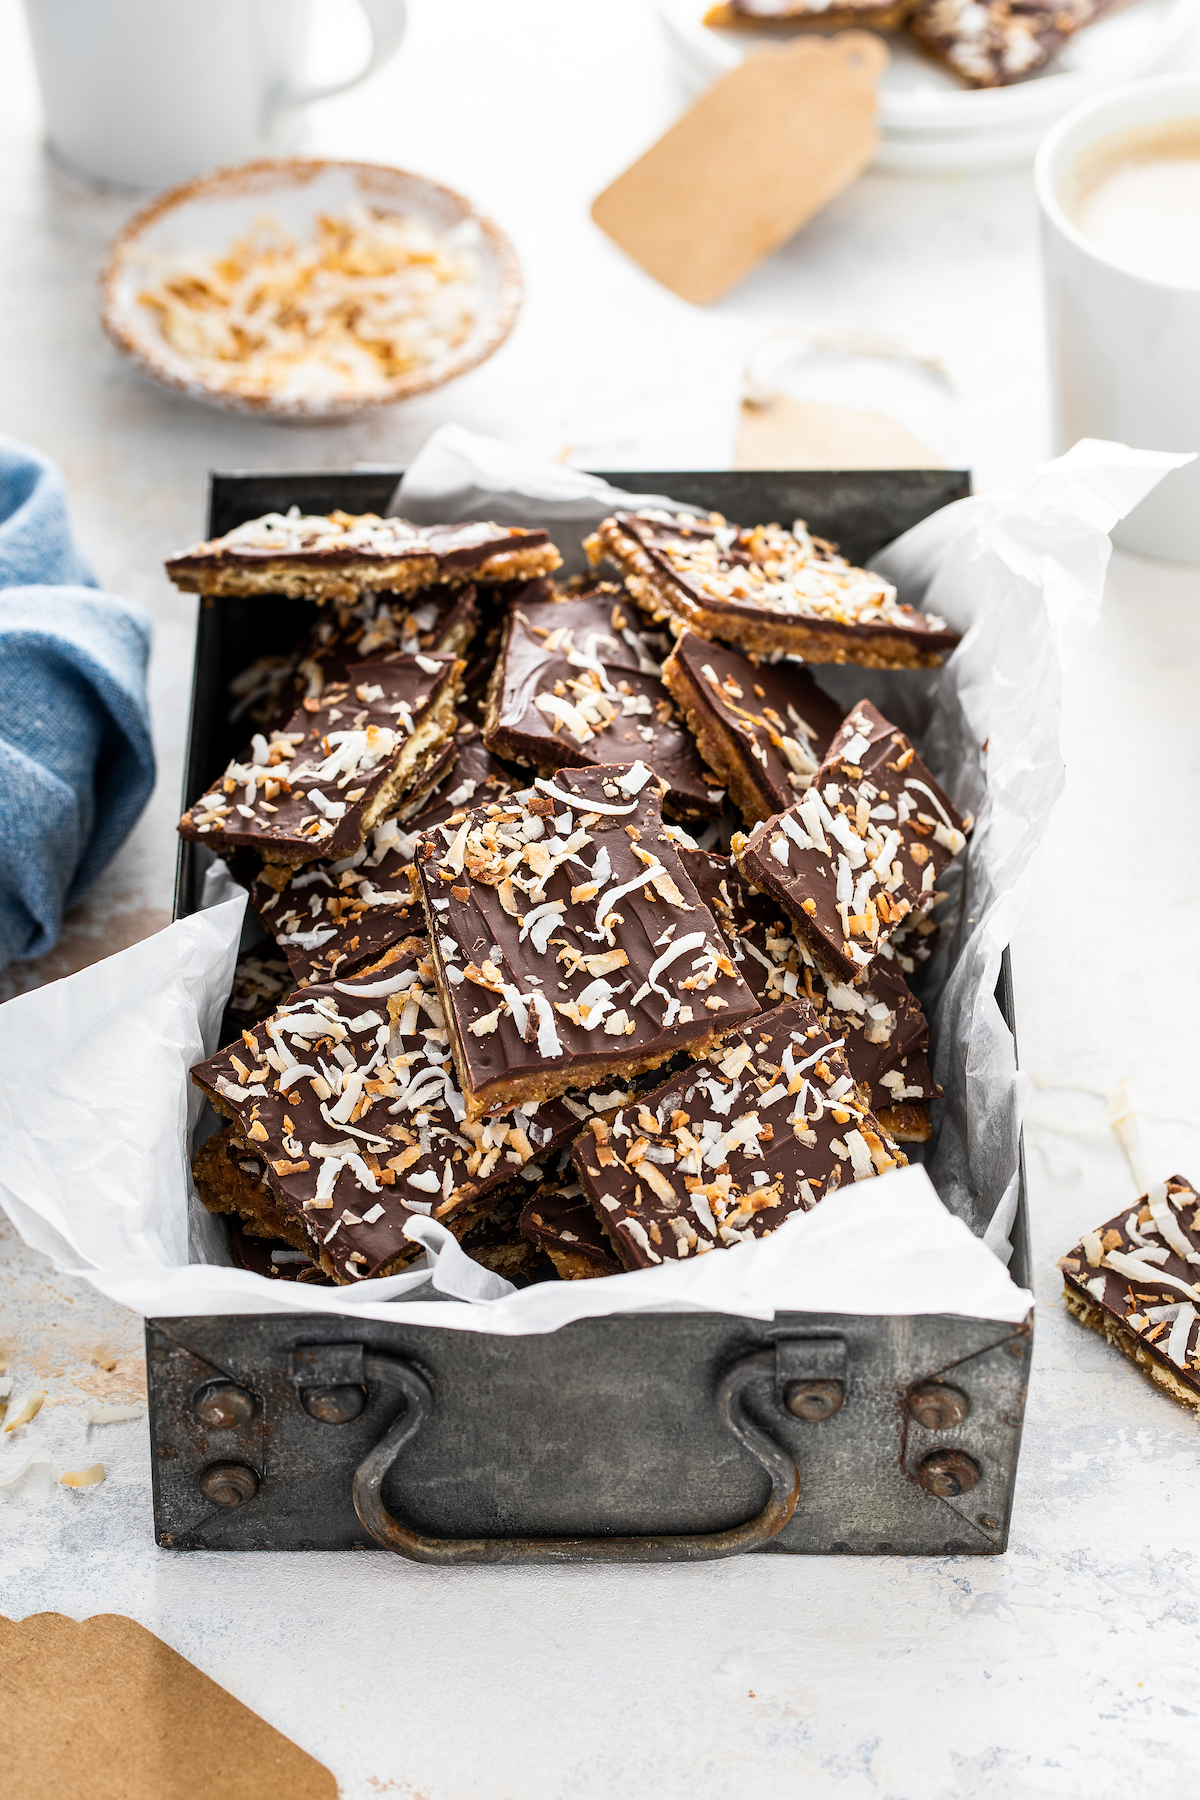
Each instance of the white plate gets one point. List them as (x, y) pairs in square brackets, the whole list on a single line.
[(929, 119), (209, 213)]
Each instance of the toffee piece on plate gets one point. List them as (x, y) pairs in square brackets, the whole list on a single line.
[(561, 1220), (569, 943), (762, 727), (346, 1111), (993, 43), (766, 1125), (1136, 1280), (862, 851), (880, 1019), (341, 764), (577, 684), (765, 590), (343, 555)]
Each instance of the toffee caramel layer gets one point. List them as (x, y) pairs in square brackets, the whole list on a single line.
[(766, 590), (862, 851), (343, 555), (569, 943), (1136, 1280), (575, 684), (561, 1220), (763, 727), (763, 1127), (343, 762)]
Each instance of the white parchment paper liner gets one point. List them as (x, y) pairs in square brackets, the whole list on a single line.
[(96, 1108)]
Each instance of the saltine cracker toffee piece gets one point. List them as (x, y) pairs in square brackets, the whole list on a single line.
[(765, 1126), (862, 851), (992, 43), (569, 943), (341, 764), (1136, 1280), (343, 555), (347, 1094), (763, 728), (765, 589), (435, 621), (576, 684), (881, 1020), (561, 1220)]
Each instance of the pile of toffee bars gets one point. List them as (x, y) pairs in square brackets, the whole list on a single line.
[(508, 989)]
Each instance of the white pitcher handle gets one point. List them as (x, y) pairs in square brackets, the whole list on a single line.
[(388, 21)]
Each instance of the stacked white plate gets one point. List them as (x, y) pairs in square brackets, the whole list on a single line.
[(929, 120)]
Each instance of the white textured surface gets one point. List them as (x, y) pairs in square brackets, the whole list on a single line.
[(1068, 1666)]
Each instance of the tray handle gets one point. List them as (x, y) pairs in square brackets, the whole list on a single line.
[(387, 1530)]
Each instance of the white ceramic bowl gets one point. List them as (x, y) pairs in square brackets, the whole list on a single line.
[(929, 120), (207, 214)]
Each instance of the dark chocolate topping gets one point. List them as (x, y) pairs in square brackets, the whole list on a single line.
[(304, 793), (767, 571), (569, 934), (1143, 1268), (862, 851), (372, 1131), (561, 1217), (577, 685), (771, 718), (885, 1029), (766, 1125), (345, 540)]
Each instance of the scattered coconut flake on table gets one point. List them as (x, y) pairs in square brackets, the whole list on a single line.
[(30, 1410), (98, 1414), (372, 297), (81, 1478)]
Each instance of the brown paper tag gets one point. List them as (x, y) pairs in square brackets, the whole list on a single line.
[(817, 434), (103, 1708), (765, 149)]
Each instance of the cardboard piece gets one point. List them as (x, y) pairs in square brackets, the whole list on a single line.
[(771, 144), (817, 434), (104, 1708)]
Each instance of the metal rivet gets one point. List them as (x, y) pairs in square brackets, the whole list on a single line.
[(333, 1405), (937, 1406), (813, 1400), (228, 1484), (224, 1406), (948, 1473)]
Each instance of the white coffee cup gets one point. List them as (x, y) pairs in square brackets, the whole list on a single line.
[(146, 93), (1124, 345)]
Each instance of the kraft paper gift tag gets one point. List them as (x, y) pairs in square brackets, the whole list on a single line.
[(771, 144), (818, 434), (103, 1708)]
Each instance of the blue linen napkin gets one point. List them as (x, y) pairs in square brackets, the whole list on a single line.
[(76, 758)]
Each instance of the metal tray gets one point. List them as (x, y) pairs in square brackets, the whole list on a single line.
[(628, 1439)]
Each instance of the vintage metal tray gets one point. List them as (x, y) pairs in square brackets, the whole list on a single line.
[(627, 1439)]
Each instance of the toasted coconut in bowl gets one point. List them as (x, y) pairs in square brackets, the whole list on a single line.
[(309, 290)]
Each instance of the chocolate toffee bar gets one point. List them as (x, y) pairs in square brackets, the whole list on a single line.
[(1136, 1280), (765, 1126), (561, 1220), (864, 848), (341, 764), (992, 43), (569, 942), (884, 1026), (764, 589), (497, 1242), (345, 555), (329, 918), (762, 727), (347, 1095), (576, 684)]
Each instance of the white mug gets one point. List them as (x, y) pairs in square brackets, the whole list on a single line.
[(1124, 347), (146, 93)]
